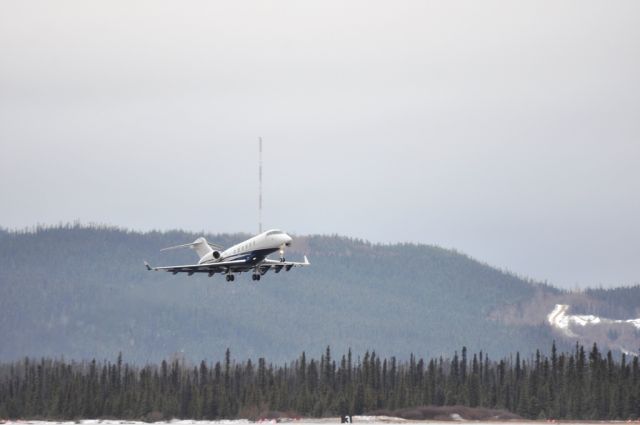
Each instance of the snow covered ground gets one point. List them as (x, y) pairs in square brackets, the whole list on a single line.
[(356, 420), (369, 420), (560, 319)]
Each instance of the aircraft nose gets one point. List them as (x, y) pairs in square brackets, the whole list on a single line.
[(287, 239)]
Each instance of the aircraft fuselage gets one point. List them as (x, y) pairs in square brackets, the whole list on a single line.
[(253, 250)]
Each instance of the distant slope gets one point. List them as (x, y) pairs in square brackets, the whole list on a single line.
[(607, 317), (83, 292), (617, 303)]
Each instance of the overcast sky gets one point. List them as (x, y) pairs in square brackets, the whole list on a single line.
[(508, 130)]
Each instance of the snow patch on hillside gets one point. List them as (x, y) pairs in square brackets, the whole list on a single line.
[(560, 319)]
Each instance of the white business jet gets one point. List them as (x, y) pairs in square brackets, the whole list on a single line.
[(250, 255)]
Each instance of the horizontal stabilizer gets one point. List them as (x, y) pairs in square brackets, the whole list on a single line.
[(186, 245), (193, 244)]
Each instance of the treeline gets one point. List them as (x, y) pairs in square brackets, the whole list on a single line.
[(575, 385), (620, 303)]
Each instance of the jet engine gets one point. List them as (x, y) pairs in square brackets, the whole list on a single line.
[(215, 255)]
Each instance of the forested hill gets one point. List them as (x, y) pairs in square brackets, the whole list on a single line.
[(82, 292)]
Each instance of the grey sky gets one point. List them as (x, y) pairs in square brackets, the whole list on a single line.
[(509, 130)]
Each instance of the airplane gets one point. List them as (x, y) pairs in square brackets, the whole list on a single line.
[(250, 255)]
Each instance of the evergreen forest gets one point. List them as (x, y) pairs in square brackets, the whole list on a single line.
[(578, 384)]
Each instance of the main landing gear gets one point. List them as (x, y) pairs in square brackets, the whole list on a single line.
[(230, 278), (255, 276)]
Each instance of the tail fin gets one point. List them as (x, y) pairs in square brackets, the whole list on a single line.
[(200, 246)]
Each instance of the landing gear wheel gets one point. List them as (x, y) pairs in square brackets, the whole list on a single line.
[(230, 278), (255, 277)]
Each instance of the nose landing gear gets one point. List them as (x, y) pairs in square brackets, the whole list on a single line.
[(230, 278), (255, 276)]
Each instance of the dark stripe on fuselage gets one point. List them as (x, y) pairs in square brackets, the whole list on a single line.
[(251, 257)]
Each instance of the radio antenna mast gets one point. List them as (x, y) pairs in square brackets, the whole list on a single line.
[(260, 185)]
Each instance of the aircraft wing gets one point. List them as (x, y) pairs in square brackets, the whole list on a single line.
[(277, 265), (230, 266), (219, 267), (269, 262)]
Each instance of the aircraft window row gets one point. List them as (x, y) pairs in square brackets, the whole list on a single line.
[(244, 247)]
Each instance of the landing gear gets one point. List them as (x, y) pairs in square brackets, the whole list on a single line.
[(255, 276), (230, 278), (282, 254)]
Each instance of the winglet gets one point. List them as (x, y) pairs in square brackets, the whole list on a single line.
[(147, 266), (306, 261)]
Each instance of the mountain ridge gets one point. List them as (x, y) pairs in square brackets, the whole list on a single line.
[(87, 295)]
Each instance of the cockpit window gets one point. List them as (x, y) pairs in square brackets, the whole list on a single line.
[(274, 232)]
